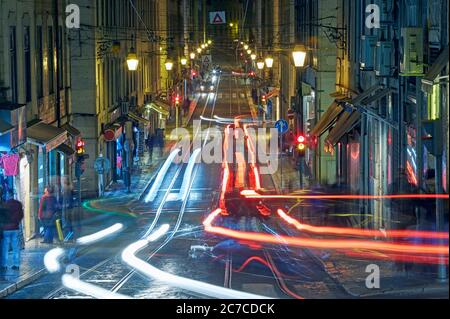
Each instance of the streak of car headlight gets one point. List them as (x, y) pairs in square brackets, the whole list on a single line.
[(129, 257), (214, 79), (90, 239), (51, 259), (188, 174), (73, 283), (202, 88), (159, 178)]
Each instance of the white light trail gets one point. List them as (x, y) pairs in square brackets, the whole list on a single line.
[(129, 257), (184, 190), (51, 259), (161, 174), (77, 285), (90, 239)]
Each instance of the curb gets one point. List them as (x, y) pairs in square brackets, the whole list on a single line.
[(22, 283)]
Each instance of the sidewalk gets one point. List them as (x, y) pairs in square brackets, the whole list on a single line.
[(32, 257)]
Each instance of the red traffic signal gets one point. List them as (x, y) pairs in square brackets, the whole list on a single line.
[(177, 99), (301, 144), (80, 147), (301, 139)]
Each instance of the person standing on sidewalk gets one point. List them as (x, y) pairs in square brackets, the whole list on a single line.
[(47, 214), (14, 211)]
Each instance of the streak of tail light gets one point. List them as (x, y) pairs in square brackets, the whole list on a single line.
[(184, 190), (159, 178), (321, 243), (51, 259), (359, 232), (280, 279), (129, 257), (255, 195), (75, 284), (90, 239)]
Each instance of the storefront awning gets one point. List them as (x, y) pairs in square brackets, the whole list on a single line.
[(5, 127), (345, 123), (435, 70), (160, 107), (65, 149), (71, 130), (45, 135), (138, 118), (327, 119)]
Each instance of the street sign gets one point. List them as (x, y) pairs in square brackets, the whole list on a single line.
[(217, 17), (282, 126), (206, 61), (109, 135)]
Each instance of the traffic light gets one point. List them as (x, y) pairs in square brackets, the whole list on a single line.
[(177, 100), (301, 145), (263, 99), (432, 139), (80, 147)]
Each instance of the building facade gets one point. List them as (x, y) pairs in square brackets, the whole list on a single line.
[(35, 104)]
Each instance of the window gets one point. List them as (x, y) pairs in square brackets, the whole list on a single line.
[(13, 64), (27, 63), (39, 62), (50, 61)]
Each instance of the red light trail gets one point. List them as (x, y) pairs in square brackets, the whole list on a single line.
[(359, 232), (321, 243), (255, 195)]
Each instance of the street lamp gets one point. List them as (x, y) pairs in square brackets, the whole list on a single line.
[(249, 51), (253, 56), (269, 62), (203, 46), (209, 42), (192, 56), (231, 24), (132, 60), (246, 47), (169, 65), (199, 50), (299, 56), (183, 61), (260, 64)]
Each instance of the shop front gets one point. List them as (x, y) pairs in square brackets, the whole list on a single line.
[(53, 156), (14, 157)]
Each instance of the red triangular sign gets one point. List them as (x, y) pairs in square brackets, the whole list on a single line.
[(217, 19)]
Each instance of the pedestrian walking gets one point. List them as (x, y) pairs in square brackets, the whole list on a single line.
[(14, 213), (47, 214), (67, 208)]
